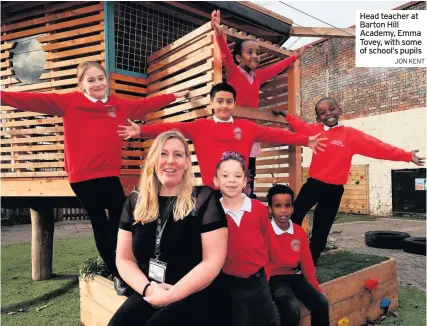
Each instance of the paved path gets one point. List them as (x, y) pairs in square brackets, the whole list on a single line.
[(411, 268), (67, 229)]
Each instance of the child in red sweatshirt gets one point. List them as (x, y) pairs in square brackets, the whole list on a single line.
[(288, 248), (92, 147), (212, 137), (247, 251), (329, 169), (243, 75)]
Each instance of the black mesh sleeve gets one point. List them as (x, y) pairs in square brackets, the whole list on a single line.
[(126, 219), (210, 209)]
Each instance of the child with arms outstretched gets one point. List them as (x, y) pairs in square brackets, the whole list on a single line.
[(329, 169)]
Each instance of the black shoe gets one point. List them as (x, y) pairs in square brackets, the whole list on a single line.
[(121, 287)]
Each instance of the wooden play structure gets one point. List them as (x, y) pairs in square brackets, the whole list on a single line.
[(348, 297), (68, 33)]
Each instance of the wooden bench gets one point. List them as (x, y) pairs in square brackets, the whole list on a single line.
[(347, 296)]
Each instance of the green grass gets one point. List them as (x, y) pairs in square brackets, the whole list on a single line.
[(60, 295), (411, 311), (343, 263)]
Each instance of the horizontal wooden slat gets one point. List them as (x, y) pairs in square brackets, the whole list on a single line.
[(33, 165), (177, 109), (5, 55), (43, 10), (75, 42), (272, 180), (59, 73), (38, 86), (21, 157), (274, 153), (129, 79), (42, 174), (205, 54), (35, 148), (51, 17), (73, 33), (54, 27), (5, 73), (180, 77), (7, 46), (128, 88), (75, 52), (31, 139), (72, 62), (31, 122), (272, 170), (208, 77), (21, 115), (277, 161), (201, 113), (206, 41), (182, 41)]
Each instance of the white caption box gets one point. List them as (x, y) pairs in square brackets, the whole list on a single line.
[(391, 38)]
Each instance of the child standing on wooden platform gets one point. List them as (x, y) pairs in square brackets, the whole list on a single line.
[(243, 75), (92, 148), (247, 252), (212, 137), (329, 169), (289, 249)]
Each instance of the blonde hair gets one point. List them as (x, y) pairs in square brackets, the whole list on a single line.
[(81, 69), (147, 205)]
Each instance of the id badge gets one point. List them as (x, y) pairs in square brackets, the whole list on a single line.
[(157, 270)]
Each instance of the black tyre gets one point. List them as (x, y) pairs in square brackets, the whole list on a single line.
[(385, 239), (415, 245)]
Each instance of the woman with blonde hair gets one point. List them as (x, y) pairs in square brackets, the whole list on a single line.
[(172, 243), (92, 147)]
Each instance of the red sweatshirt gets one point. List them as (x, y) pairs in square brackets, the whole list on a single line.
[(332, 165), (92, 146), (247, 248), (286, 251), (247, 93), (211, 139)]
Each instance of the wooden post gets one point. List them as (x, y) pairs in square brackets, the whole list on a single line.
[(294, 104), (42, 242)]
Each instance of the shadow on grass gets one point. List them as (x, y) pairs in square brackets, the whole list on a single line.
[(71, 284)]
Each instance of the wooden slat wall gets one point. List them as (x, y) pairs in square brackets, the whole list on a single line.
[(32, 144), (356, 192), (71, 33)]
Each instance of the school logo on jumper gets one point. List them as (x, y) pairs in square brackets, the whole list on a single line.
[(337, 142), (237, 133), (111, 111), (295, 245)]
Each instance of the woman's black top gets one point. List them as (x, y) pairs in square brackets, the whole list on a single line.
[(181, 243)]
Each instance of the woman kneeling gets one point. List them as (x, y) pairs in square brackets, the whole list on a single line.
[(172, 243)]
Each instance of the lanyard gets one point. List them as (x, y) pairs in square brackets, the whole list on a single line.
[(160, 229)]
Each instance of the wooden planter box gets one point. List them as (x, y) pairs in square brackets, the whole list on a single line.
[(347, 297)]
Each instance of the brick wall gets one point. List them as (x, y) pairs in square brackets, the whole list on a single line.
[(370, 99), (328, 69)]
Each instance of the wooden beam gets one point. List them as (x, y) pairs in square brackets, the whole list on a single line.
[(294, 101), (322, 32)]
